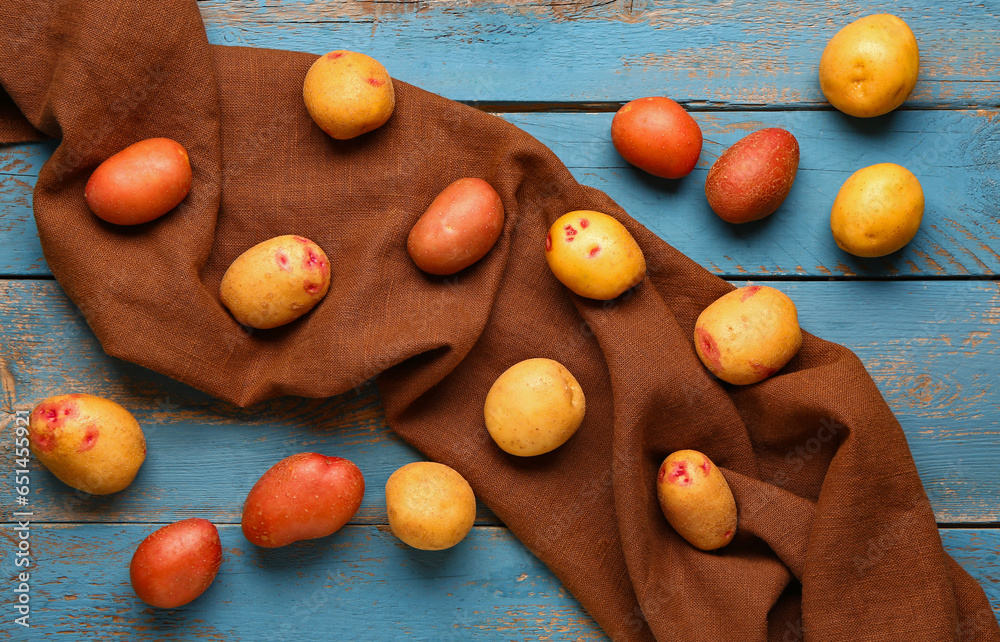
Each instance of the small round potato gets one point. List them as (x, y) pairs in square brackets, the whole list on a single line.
[(430, 505), (348, 94), (275, 282), (696, 500), (877, 211), (534, 407), (88, 442), (748, 335), (593, 255)]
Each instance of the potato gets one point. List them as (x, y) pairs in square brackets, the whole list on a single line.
[(177, 563), (534, 407), (303, 496), (275, 282), (752, 178), (142, 182), (348, 94), (593, 255), (877, 211), (696, 500), (430, 505), (870, 66), (87, 442), (459, 228), (748, 335), (656, 135)]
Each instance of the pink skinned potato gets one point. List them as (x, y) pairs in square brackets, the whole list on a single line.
[(303, 496), (658, 136), (459, 227), (752, 178), (177, 563), (696, 500), (142, 182)]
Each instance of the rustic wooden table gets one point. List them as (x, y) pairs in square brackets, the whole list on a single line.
[(922, 319)]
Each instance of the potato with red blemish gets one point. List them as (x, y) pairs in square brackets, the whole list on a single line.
[(142, 182), (348, 94), (430, 506), (696, 500), (301, 497), (87, 442), (459, 227), (177, 563), (534, 407), (275, 282), (748, 335), (658, 136), (593, 255)]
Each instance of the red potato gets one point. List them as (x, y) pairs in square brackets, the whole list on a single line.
[(459, 228), (177, 563), (304, 496), (142, 182), (753, 177), (656, 135)]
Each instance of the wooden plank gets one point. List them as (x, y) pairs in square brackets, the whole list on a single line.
[(716, 54), (952, 153), (360, 583), (931, 347)]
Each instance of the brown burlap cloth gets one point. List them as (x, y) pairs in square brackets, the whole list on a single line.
[(836, 538)]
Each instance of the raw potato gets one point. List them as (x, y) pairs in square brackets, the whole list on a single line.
[(534, 407), (303, 496), (751, 179), (459, 228), (696, 500), (748, 335), (88, 442), (275, 282), (877, 211), (142, 182), (593, 255), (430, 505), (870, 66), (348, 94), (177, 563), (658, 136)]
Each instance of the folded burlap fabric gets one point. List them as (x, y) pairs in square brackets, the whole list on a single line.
[(838, 546)]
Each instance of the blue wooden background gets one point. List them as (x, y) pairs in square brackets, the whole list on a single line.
[(922, 320)]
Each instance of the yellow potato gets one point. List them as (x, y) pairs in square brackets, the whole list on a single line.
[(275, 282), (593, 255), (534, 407), (877, 210), (88, 442), (748, 335), (870, 66), (348, 93), (696, 500), (430, 505)]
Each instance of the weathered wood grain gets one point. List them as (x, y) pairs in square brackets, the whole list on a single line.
[(721, 54), (931, 346), (952, 153), (360, 583)]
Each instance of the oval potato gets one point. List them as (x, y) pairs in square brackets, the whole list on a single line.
[(89, 443), (658, 136), (878, 210), (177, 563), (458, 228), (348, 94), (593, 255), (303, 496), (275, 281), (534, 407), (696, 500), (751, 179), (430, 506), (748, 334), (142, 182)]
